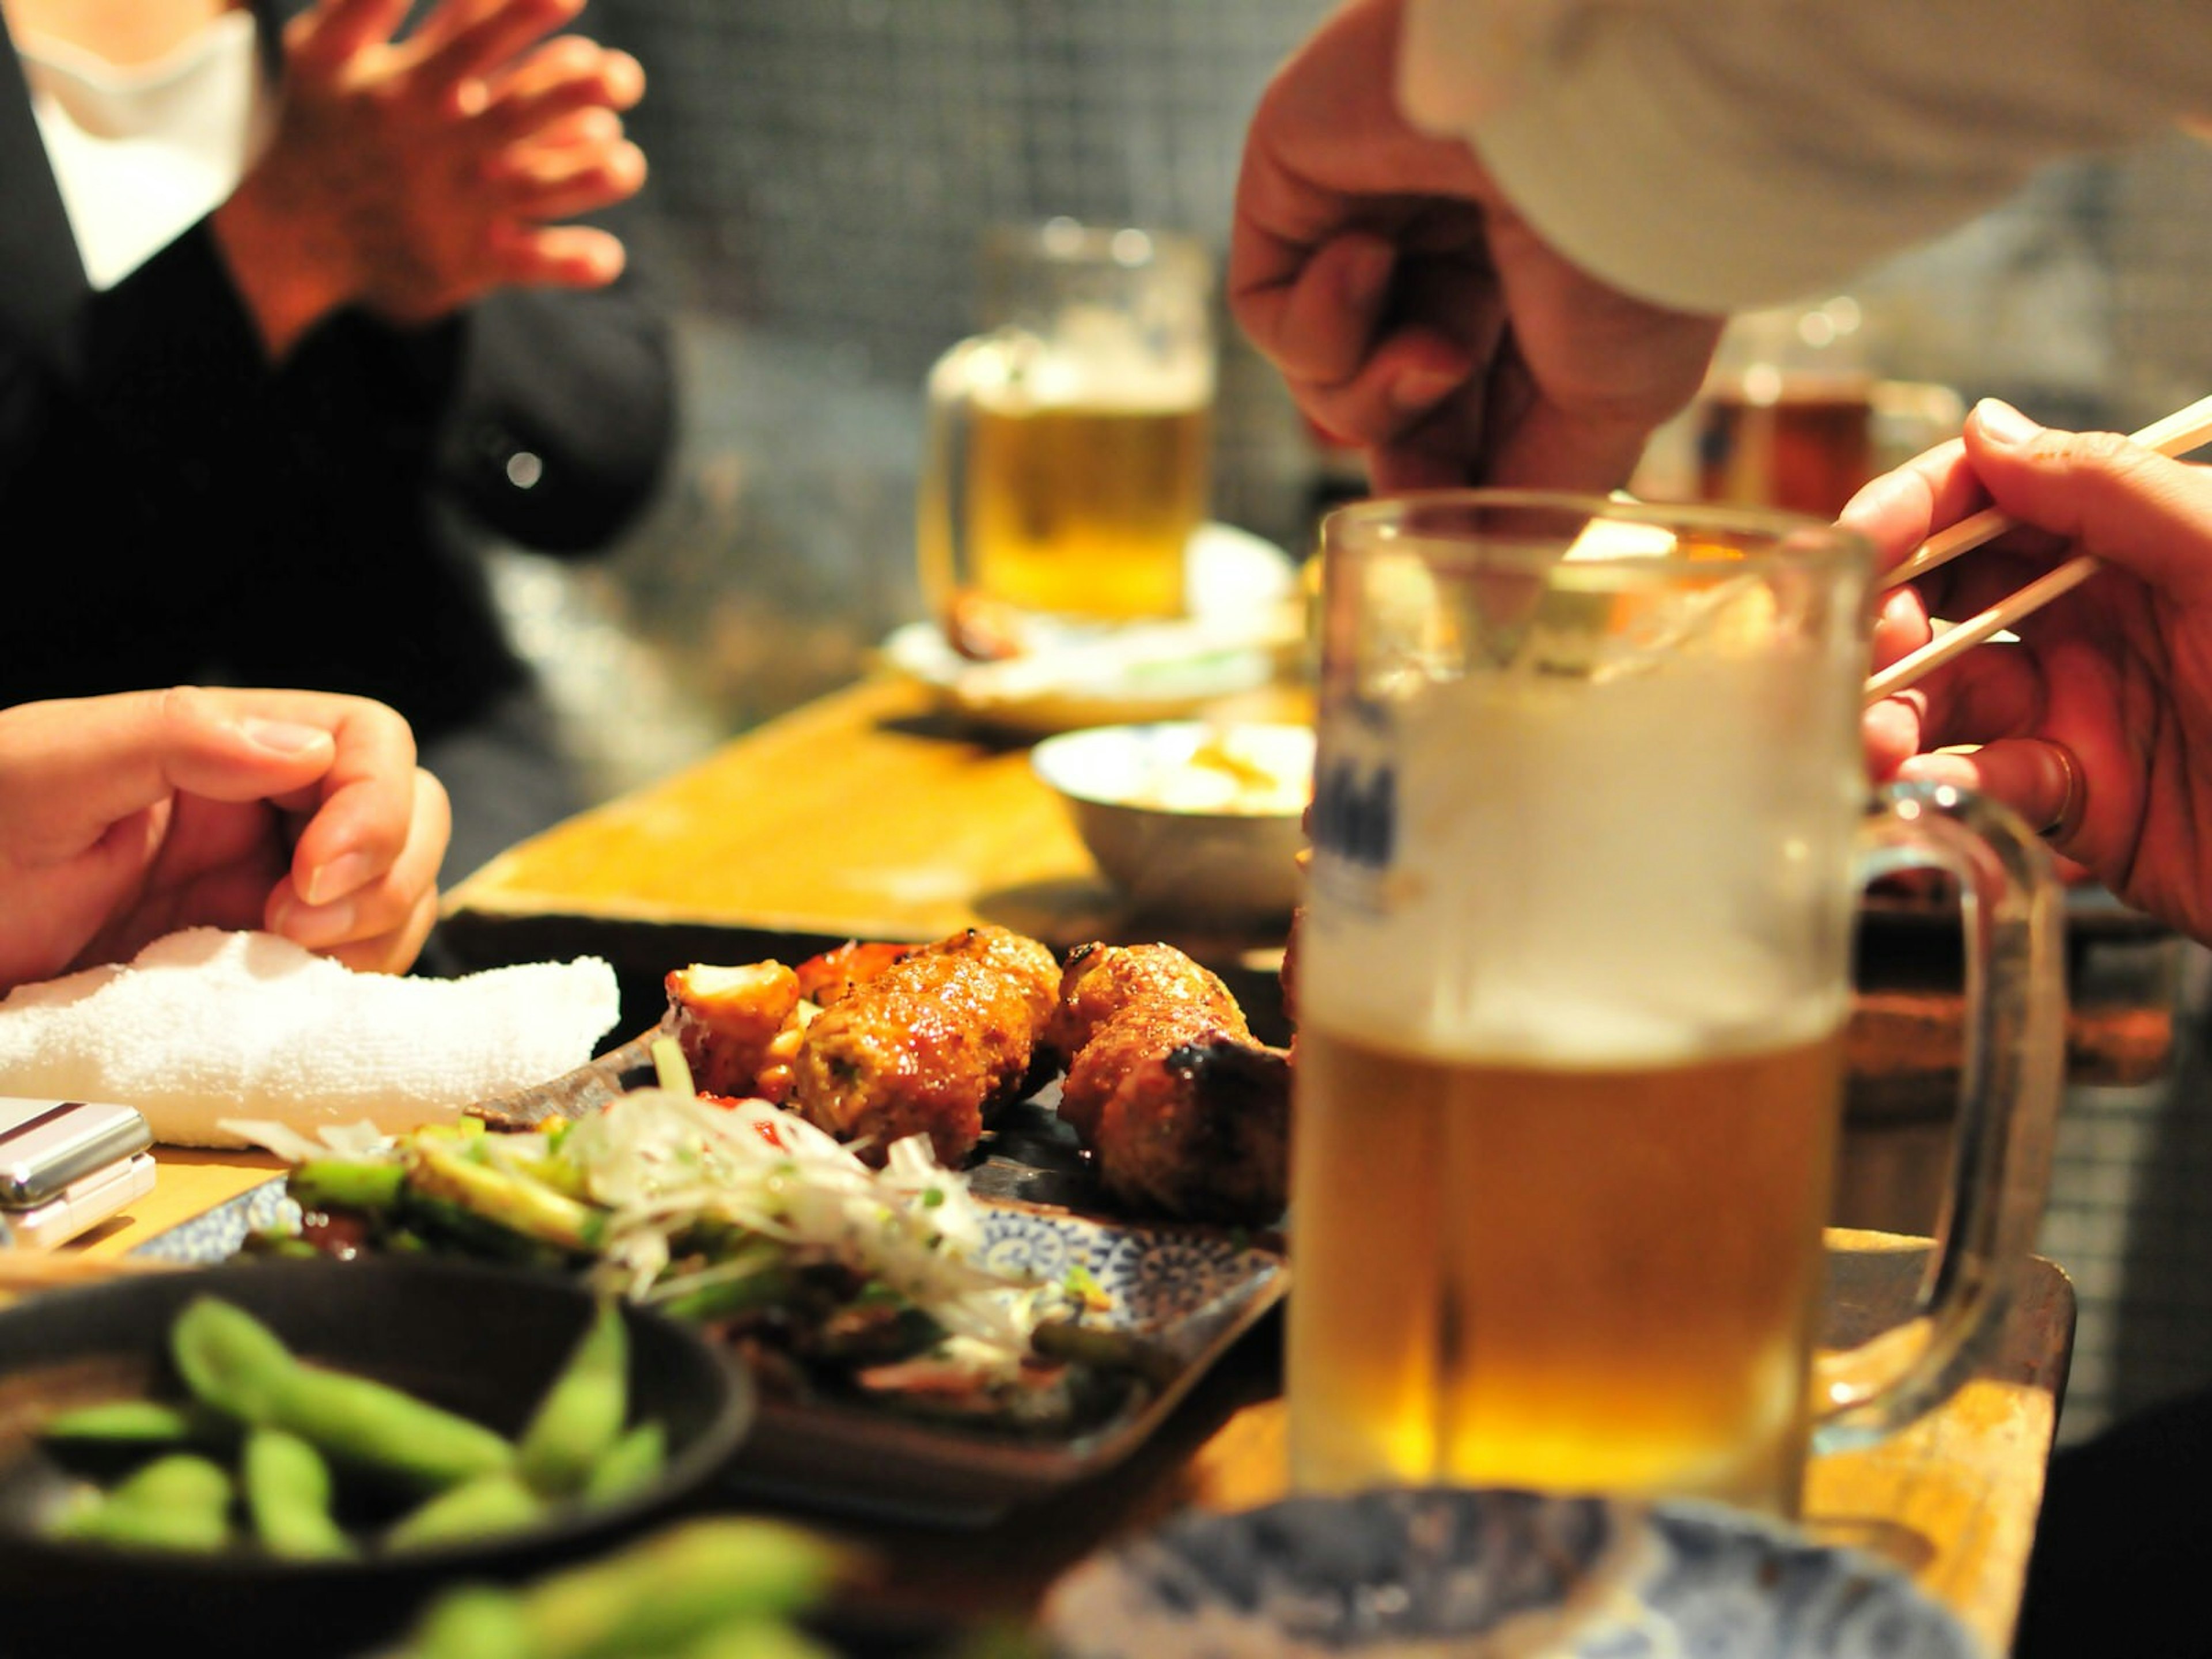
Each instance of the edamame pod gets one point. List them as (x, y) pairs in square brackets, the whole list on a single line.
[(483, 1507), (145, 1526), (180, 1481), (675, 1586), (288, 1495), (179, 1502), (582, 1415), (755, 1638), (363, 1422), (237, 1364), (473, 1622), (631, 1464), (123, 1422), (229, 1359)]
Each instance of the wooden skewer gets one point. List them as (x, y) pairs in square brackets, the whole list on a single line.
[(2176, 434)]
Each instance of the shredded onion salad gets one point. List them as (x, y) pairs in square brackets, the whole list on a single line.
[(661, 1163)]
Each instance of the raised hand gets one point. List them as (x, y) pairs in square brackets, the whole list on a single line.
[(2097, 726), (1414, 313), (410, 177), (125, 818)]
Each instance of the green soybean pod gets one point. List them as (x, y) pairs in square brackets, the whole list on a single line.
[(229, 1359), (474, 1621), (181, 1480), (179, 1502), (287, 1495), (483, 1507), (580, 1417), (358, 1421), (105, 1520), (233, 1362), (676, 1585), (123, 1422), (631, 1464), (755, 1638)]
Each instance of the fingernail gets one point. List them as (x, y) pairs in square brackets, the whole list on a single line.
[(314, 925), (2000, 423), (336, 878), (284, 737)]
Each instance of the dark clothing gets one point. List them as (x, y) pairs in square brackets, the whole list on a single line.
[(176, 510), (2121, 1545)]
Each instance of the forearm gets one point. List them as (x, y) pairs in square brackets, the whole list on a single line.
[(1711, 154)]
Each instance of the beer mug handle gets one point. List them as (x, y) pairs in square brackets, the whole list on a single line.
[(2010, 1079), (944, 561)]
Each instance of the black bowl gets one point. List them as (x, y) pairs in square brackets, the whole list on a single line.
[(484, 1341)]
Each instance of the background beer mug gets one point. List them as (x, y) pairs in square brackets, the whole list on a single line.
[(1069, 449), (1589, 825)]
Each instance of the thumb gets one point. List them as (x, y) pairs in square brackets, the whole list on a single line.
[(2128, 505)]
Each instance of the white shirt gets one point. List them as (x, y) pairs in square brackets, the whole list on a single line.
[(1716, 154), (141, 154)]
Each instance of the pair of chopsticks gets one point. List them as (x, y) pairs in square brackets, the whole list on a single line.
[(2177, 434)]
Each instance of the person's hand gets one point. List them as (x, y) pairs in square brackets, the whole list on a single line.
[(125, 818), (1414, 314), (2097, 726), (411, 177)]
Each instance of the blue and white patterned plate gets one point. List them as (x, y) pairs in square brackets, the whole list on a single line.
[(1190, 1291), (1435, 1570)]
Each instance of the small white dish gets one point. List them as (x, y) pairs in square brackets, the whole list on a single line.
[(1241, 590), (1188, 817)]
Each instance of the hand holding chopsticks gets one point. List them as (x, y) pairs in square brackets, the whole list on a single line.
[(2177, 434)]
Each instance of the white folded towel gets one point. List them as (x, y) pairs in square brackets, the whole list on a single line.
[(207, 1024)]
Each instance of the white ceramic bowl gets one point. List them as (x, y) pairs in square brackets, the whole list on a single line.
[(1189, 818)]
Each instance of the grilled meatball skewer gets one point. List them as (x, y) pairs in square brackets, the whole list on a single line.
[(1182, 1111)]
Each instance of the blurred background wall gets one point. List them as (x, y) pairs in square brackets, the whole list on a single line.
[(822, 170)]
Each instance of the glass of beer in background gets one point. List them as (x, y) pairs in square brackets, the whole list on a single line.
[(1787, 417), (1589, 824), (1070, 447)]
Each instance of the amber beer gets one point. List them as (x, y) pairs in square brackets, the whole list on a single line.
[(1589, 829), (1806, 446), (1556, 1276), (1086, 510)]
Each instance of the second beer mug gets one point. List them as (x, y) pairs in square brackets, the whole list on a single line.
[(1069, 447), (1590, 822)]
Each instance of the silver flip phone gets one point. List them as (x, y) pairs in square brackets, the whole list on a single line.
[(66, 1165)]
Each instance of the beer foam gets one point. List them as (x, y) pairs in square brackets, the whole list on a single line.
[(1061, 381), (1598, 870)]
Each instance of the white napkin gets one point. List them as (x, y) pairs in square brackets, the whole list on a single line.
[(207, 1024)]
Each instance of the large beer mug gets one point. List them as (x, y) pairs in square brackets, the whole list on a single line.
[(1589, 826), (1068, 455)]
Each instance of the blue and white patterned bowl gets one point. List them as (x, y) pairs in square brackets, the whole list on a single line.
[(1428, 1571)]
